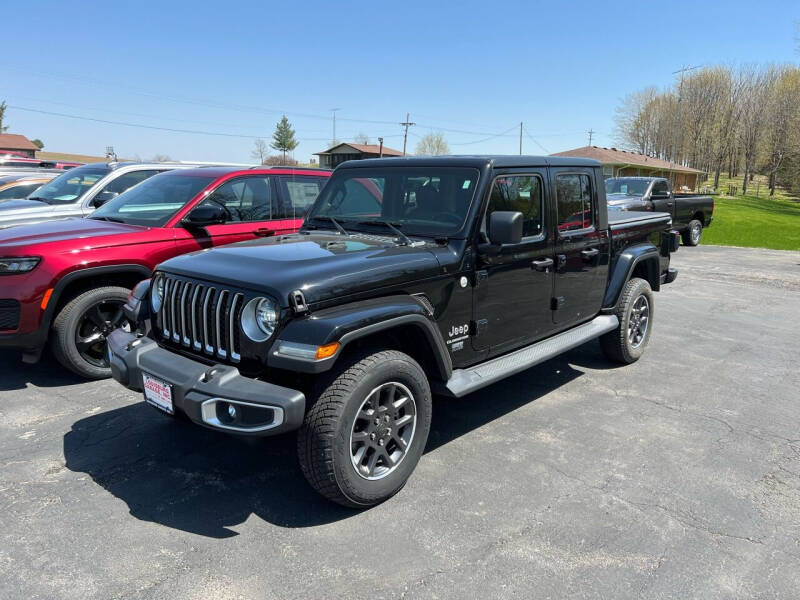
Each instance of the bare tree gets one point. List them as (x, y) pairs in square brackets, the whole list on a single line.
[(361, 138), (433, 144), (783, 116), (756, 86), (260, 151), (3, 128), (161, 158)]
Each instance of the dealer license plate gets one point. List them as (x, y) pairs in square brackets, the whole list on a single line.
[(158, 393)]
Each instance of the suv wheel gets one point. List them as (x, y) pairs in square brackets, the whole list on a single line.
[(81, 327), (627, 342), (365, 433), (693, 233)]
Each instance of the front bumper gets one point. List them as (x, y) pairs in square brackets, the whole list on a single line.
[(203, 393)]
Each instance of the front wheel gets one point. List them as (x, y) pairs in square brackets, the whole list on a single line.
[(626, 343), (693, 233), (81, 327), (365, 433)]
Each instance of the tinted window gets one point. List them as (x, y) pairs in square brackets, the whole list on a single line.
[(19, 191), (123, 182), (299, 194), (574, 198), (73, 184), (421, 200), (522, 193), (154, 201), (245, 199), (627, 186), (660, 187)]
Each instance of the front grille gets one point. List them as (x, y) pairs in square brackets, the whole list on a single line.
[(9, 315), (201, 317)]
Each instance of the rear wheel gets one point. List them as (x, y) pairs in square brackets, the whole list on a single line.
[(693, 233), (81, 327), (364, 435), (626, 343)]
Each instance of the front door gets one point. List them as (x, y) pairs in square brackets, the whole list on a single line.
[(254, 209), (514, 281), (581, 250)]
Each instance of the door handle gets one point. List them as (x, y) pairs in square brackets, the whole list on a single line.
[(543, 264), (264, 232), (669, 203), (589, 254)]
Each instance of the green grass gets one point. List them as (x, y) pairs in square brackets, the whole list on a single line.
[(754, 222)]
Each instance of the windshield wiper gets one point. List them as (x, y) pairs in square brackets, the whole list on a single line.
[(393, 227), (38, 199), (336, 223)]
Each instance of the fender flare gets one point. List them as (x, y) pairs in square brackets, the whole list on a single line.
[(350, 322), (624, 267), (73, 276)]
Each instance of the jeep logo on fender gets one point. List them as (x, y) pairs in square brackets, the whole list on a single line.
[(458, 330)]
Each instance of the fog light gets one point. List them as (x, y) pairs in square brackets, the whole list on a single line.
[(231, 411)]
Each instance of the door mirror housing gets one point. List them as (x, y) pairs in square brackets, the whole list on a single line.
[(103, 197), (505, 227), (205, 215)]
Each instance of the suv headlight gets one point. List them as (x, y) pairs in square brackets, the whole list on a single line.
[(15, 265), (259, 319), (157, 293)]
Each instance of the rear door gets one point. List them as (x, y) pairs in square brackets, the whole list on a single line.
[(514, 281), (581, 247)]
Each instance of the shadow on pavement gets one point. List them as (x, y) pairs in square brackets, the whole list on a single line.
[(200, 481), (16, 375)]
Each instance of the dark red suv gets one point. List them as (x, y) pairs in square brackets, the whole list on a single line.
[(66, 281)]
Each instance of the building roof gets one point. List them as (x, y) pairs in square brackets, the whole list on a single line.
[(14, 141), (612, 156), (364, 149)]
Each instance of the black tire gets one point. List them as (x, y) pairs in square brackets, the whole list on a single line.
[(618, 344), (325, 443), (692, 234), (72, 317)]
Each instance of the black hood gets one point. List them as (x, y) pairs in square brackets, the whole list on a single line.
[(322, 265)]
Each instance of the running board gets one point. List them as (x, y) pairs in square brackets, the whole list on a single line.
[(465, 381)]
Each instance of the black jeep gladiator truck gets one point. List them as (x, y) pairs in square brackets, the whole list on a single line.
[(690, 212), (410, 276)]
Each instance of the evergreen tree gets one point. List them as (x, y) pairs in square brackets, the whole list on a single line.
[(283, 139)]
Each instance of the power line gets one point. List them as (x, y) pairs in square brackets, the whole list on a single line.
[(535, 141)]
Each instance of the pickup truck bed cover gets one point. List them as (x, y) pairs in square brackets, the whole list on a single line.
[(621, 219)]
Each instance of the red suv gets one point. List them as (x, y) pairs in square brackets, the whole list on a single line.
[(67, 280)]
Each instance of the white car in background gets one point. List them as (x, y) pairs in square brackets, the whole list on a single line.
[(78, 191)]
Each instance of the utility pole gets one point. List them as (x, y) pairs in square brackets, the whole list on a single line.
[(380, 152), (333, 110), (682, 70), (591, 133), (407, 124), (520, 138)]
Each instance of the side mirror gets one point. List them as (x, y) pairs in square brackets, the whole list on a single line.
[(505, 227), (204, 215), (103, 197)]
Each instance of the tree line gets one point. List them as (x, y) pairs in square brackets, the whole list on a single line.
[(742, 121)]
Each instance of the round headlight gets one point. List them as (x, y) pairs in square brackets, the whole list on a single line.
[(157, 293), (259, 319)]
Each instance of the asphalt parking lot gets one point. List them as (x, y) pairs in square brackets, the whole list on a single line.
[(676, 477)]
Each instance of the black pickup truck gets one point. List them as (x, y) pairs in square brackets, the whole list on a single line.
[(690, 212), (410, 276)]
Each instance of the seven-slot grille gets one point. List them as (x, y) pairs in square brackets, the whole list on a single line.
[(202, 317)]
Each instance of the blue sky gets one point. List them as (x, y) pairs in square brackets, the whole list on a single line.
[(471, 70)]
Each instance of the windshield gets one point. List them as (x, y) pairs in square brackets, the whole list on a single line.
[(627, 186), (430, 201), (71, 186), (154, 201)]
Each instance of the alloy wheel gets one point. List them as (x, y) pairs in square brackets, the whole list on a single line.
[(638, 321), (383, 430), (94, 327)]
